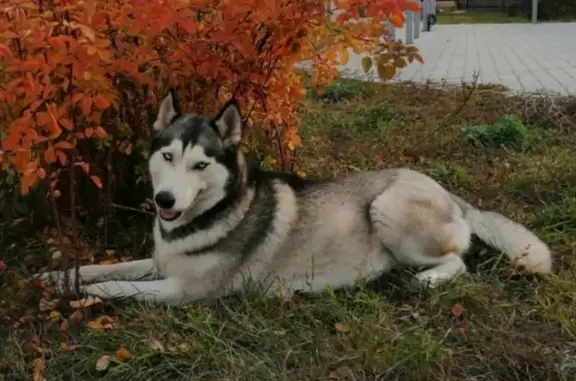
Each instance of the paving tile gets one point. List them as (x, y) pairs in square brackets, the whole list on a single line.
[(523, 57)]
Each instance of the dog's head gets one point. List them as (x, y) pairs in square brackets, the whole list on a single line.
[(195, 161)]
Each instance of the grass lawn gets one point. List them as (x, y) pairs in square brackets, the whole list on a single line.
[(486, 17), (513, 155), (477, 17)]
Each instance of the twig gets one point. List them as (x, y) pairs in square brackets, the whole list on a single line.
[(130, 209)]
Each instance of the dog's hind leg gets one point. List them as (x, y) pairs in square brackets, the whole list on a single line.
[(143, 269), (422, 231)]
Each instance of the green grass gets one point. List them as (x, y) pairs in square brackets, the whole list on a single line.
[(513, 327), (477, 17), (486, 17)]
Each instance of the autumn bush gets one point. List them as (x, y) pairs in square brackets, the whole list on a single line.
[(80, 81)]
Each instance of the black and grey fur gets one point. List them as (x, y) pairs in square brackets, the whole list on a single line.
[(220, 222)]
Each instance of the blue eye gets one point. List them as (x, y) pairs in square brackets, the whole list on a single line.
[(200, 165), (167, 156)]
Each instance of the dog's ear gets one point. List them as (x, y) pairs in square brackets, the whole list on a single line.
[(228, 123), (169, 110)]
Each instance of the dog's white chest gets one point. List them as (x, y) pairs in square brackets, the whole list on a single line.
[(172, 259)]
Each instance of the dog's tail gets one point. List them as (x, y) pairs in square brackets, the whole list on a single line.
[(525, 250)]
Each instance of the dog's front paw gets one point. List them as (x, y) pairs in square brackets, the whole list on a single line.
[(57, 280)]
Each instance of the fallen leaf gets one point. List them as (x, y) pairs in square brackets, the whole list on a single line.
[(457, 310), (55, 316), (65, 326), (156, 345), (66, 347), (38, 366), (407, 159), (122, 353), (377, 160), (38, 283), (103, 363), (76, 317), (48, 305), (340, 327), (462, 331), (27, 319), (2, 265), (107, 262), (103, 322), (56, 254), (85, 302)]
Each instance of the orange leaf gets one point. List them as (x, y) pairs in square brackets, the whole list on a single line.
[(96, 180), (65, 326), (85, 166), (89, 132), (340, 327), (101, 102), (123, 354), (100, 132), (50, 155), (67, 124), (86, 106), (64, 145), (27, 181), (53, 127), (38, 367), (62, 158), (41, 173)]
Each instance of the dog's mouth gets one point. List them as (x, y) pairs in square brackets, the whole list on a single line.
[(168, 214)]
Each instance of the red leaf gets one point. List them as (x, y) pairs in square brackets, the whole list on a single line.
[(457, 310)]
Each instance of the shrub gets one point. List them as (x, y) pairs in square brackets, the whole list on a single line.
[(80, 80), (509, 132)]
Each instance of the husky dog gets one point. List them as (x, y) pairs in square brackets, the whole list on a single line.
[(220, 223)]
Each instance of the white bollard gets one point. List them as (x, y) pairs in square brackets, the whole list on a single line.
[(409, 27), (417, 26)]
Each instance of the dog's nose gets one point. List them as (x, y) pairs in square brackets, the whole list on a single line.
[(164, 200)]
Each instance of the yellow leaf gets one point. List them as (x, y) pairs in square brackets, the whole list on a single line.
[(103, 363), (55, 316), (104, 322), (386, 71), (366, 64), (85, 302), (344, 56)]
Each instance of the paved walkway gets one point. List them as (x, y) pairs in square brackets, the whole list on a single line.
[(522, 57)]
